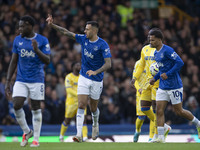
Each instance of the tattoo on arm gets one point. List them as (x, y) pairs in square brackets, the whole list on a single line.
[(64, 31), (106, 66)]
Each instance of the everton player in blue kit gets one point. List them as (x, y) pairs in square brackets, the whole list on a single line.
[(96, 59), (170, 86), (30, 52)]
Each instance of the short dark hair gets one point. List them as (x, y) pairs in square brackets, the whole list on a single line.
[(93, 23), (29, 19), (157, 33)]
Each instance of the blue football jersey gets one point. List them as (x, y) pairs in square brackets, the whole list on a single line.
[(93, 54), (30, 68), (170, 63)]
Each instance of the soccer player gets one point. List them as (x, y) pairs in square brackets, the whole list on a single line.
[(96, 58), (71, 104), (170, 86), (148, 95), (141, 116), (30, 52)]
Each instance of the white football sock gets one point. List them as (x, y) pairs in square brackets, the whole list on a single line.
[(79, 121), (196, 122), (20, 117), (95, 117), (37, 123), (161, 132)]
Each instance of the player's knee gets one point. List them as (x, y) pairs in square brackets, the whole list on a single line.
[(17, 106), (67, 121), (143, 109), (35, 104)]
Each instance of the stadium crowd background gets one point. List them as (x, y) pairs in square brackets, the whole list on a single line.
[(126, 35)]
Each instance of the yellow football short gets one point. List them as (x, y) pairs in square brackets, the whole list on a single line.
[(71, 110), (149, 94)]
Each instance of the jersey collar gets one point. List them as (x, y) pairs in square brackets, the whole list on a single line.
[(31, 37)]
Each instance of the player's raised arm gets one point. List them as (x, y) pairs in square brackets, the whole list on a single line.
[(60, 29)]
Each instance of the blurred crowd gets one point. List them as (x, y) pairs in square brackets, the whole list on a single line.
[(124, 28)]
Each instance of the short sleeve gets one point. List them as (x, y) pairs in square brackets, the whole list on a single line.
[(79, 38), (46, 47), (106, 50), (14, 49)]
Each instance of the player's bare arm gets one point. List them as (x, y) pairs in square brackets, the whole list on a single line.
[(11, 70), (105, 67), (43, 57), (60, 29)]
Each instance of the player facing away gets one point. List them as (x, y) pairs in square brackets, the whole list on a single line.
[(148, 95), (96, 58), (71, 104), (141, 116), (30, 52), (170, 86)]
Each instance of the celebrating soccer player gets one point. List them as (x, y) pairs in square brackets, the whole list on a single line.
[(96, 58)]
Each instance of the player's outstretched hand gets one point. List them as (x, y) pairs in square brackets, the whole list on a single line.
[(164, 76), (152, 81), (90, 72), (49, 19)]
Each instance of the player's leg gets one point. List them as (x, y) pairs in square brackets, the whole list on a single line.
[(70, 112), (95, 118), (95, 92), (176, 97), (85, 129), (151, 130), (162, 99), (36, 91), (63, 128), (138, 124), (146, 103), (37, 121), (20, 92), (83, 93), (82, 103)]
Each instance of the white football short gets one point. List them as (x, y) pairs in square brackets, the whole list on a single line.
[(33, 90), (89, 87), (175, 96)]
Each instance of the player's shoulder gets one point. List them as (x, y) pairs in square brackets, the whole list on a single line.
[(69, 75), (41, 36), (101, 42), (147, 47), (166, 47), (18, 37)]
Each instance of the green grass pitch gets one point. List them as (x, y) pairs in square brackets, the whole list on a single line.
[(102, 146)]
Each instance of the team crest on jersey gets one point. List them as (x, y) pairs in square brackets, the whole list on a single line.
[(107, 50), (20, 43), (95, 48), (174, 55), (147, 50), (47, 47)]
